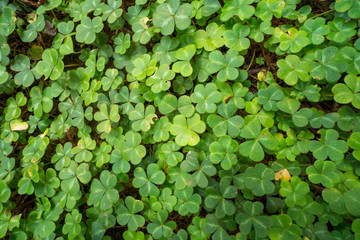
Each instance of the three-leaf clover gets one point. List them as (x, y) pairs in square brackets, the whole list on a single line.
[(187, 201), (186, 129), (224, 151), (219, 199), (206, 97), (252, 217), (82, 149), (256, 139), (324, 172), (326, 66), (184, 55), (51, 65), (293, 40), (72, 175), (328, 146), (228, 122), (159, 228), (72, 226), (25, 75), (126, 214), (258, 180), (236, 38), (348, 93), (146, 180), (291, 69), (295, 191), (210, 39), (201, 170), (142, 118), (104, 117), (226, 66), (131, 149), (160, 81), (86, 31), (316, 29), (103, 192), (354, 143), (171, 14), (241, 8), (341, 31), (170, 103)]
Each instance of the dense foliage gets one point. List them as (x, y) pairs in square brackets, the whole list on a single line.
[(180, 119)]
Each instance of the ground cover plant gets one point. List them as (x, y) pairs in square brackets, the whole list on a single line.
[(180, 119)]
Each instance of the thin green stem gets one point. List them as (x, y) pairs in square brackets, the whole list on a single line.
[(332, 10), (251, 62)]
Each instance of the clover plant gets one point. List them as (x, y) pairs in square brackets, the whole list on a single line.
[(179, 119)]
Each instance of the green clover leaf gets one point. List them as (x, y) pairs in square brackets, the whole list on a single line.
[(25, 75), (131, 149), (291, 69), (270, 97), (353, 7), (159, 228), (256, 139), (236, 38), (241, 8), (316, 29), (210, 39), (226, 66), (201, 170), (266, 9), (224, 151), (82, 149), (258, 180), (160, 81), (105, 117), (295, 191), (186, 129), (228, 122), (293, 40), (252, 217), (171, 14), (51, 65), (72, 175), (324, 172), (354, 143), (187, 201), (103, 192), (348, 93), (86, 31), (169, 153), (283, 228), (219, 199), (328, 146), (326, 66), (341, 31), (343, 202), (143, 118), (72, 226), (146, 180), (206, 97), (170, 103), (126, 214), (184, 55)]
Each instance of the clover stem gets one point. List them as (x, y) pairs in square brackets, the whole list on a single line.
[(54, 15), (251, 62), (73, 65), (332, 10)]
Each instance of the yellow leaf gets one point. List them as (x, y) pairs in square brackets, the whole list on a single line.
[(18, 125), (283, 175), (261, 75)]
